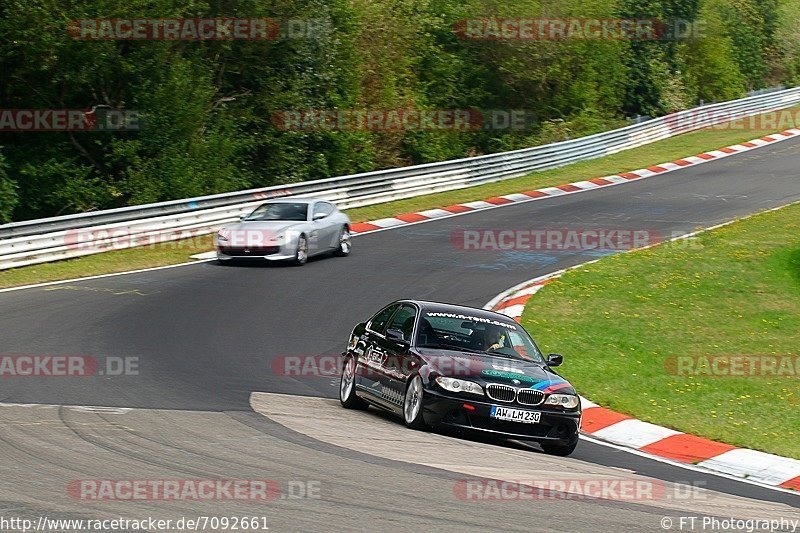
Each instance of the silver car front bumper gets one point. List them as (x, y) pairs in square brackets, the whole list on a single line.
[(244, 254)]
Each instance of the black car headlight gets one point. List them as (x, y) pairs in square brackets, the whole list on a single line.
[(459, 385), (567, 401)]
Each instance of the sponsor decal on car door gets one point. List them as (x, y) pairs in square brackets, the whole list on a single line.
[(371, 367), (393, 375)]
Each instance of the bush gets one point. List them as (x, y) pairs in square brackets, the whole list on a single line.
[(207, 107)]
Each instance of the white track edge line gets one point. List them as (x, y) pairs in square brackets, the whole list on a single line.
[(686, 466)]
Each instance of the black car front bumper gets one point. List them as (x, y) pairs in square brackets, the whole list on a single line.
[(558, 427)]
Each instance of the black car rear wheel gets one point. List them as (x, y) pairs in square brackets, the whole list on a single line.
[(347, 386), (412, 404), (560, 450)]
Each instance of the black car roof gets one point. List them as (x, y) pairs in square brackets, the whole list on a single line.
[(439, 307)]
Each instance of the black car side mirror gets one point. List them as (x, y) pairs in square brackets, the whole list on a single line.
[(397, 336), (554, 359)]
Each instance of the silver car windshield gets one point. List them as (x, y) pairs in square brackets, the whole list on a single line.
[(452, 331), (280, 211)]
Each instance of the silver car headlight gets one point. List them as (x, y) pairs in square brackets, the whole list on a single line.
[(459, 385), (568, 401), (222, 235)]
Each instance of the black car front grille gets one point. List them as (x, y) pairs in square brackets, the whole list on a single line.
[(501, 393), (240, 251), (530, 397)]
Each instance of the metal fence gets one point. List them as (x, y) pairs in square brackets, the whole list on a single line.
[(50, 239)]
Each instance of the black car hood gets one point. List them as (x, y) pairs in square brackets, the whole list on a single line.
[(484, 369)]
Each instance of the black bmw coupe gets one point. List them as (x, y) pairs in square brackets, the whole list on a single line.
[(437, 364)]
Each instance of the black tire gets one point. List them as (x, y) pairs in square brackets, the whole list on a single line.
[(412, 416), (301, 253), (347, 395), (345, 243), (225, 262), (560, 450)]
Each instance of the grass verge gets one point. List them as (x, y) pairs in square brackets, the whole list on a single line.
[(167, 254), (162, 254), (625, 322)]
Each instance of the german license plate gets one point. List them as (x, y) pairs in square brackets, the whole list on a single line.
[(515, 415)]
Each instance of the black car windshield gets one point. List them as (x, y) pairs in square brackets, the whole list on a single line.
[(455, 331), (280, 211)]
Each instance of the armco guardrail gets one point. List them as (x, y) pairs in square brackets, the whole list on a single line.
[(39, 241)]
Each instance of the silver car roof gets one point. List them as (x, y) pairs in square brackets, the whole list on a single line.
[(294, 200)]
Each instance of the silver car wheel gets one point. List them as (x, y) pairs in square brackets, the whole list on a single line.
[(413, 400), (344, 241), (348, 375), (302, 249)]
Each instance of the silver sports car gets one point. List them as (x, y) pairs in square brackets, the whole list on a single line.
[(292, 229)]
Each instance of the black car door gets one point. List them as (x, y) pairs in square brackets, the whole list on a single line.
[(369, 368), (398, 362)]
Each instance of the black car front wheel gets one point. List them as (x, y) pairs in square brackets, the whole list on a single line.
[(347, 386), (412, 404), (561, 450)]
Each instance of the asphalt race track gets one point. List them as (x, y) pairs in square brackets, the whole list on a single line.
[(207, 336)]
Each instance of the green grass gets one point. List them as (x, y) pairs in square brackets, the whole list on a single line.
[(168, 253), (736, 290), (659, 152)]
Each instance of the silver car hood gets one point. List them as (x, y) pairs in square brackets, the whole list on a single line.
[(258, 233), (276, 226)]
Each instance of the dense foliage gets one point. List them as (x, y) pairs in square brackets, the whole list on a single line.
[(207, 107)]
